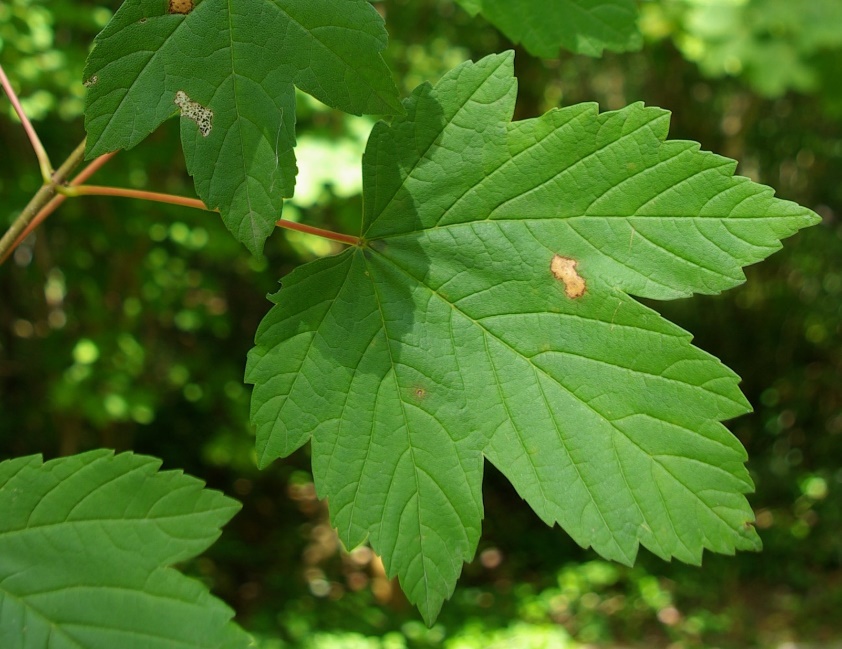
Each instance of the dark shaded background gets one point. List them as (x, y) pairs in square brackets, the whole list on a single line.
[(125, 325)]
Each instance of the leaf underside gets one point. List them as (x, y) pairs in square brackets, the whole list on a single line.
[(229, 67), (487, 313), (85, 545), (581, 26)]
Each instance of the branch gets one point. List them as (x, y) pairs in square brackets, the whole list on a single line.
[(55, 201), (40, 201), (40, 152)]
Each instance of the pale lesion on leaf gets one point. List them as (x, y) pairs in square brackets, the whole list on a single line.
[(564, 270), (180, 6), (195, 111)]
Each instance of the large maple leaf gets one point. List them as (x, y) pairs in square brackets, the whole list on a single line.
[(487, 311)]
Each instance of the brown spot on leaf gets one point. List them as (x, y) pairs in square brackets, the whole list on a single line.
[(198, 113), (564, 270), (180, 6), (420, 393), (91, 82)]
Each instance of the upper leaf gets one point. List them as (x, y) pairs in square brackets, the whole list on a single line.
[(581, 26), (85, 542), (230, 67), (487, 310)]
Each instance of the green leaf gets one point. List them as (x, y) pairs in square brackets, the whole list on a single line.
[(85, 542), (487, 311), (229, 68), (581, 26)]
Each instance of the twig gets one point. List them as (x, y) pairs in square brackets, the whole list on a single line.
[(39, 201), (55, 201)]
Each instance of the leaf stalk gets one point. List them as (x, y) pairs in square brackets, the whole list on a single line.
[(40, 151), (158, 197), (54, 192)]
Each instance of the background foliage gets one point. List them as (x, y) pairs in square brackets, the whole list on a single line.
[(126, 325)]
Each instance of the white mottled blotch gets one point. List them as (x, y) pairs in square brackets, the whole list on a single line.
[(192, 110)]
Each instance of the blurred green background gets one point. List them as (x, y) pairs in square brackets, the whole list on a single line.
[(125, 324)]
